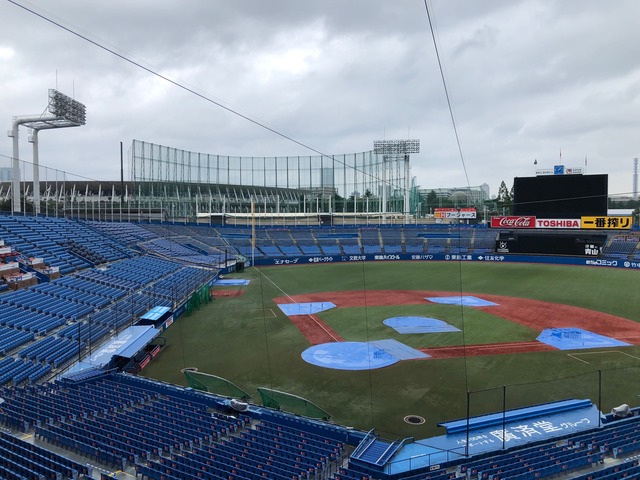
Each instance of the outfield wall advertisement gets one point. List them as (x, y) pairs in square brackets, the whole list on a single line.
[(488, 257), (463, 213), (530, 221)]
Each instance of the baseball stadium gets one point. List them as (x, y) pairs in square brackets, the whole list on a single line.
[(218, 317)]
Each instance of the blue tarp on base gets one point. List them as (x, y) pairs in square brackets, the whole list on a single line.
[(310, 308), (467, 301), (577, 339)]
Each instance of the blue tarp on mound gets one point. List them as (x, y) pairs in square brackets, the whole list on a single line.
[(305, 308), (467, 301), (577, 339), (406, 325)]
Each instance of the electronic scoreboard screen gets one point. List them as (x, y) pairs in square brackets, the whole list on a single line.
[(561, 196)]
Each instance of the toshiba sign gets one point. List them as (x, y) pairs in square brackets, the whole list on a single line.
[(558, 223), (513, 222)]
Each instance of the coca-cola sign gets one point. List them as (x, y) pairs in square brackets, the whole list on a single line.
[(513, 222)]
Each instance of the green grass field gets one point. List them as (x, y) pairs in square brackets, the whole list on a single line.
[(248, 340)]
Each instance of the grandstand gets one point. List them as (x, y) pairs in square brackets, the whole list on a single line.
[(92, 281)]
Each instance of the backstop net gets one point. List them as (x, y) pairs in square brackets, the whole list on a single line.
[(196, 183)]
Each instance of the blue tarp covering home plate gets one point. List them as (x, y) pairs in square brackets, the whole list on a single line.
[(348, 356), (467, 301), (405, 325), (577, 339), (360, 355), (305, 308)]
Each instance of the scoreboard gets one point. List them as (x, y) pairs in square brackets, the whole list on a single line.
[(561, 196)]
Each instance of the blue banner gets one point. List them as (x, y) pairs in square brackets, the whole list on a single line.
[(441, 257)]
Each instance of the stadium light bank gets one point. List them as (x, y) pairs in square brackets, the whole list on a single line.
[(63, 112)]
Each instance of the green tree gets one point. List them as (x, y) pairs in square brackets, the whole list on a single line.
[(504, 200)]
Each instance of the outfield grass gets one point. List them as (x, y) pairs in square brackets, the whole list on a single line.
[(249, 341)]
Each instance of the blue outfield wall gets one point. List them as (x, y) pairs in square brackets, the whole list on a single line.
[(441, 257)]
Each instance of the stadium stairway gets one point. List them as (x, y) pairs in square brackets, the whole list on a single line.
[(373, 452)]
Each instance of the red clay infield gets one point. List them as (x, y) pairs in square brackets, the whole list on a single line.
[(227, 292), (535, 314)]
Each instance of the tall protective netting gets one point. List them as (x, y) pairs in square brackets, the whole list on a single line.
[(291, 403), (214, 384), (186, 183)]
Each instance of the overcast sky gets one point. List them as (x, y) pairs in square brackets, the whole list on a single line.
[(527, 80)]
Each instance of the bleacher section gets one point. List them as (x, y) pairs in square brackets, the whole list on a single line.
[(68, 245), (162, 430), (484, 241), (392, 240), (46, 326), (370, 239), (22, 460), (622, 247), (183, 253), (129, 234), (122, 293), (121, 421)]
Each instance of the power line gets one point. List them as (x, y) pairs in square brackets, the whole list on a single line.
[(192, 91), (464, 167), (446, 93)]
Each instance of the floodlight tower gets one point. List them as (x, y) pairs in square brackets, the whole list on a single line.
[(63, 112), (395, 151)]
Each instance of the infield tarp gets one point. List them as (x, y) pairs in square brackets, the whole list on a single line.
[(464, 300), (310, 308), (360, 355), (226, 282), (348, 356), (406, 325), (577, 339), (398, 349)]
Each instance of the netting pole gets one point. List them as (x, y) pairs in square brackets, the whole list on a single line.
[(504, 414), (468, 419), (253, 232), (599, 397)]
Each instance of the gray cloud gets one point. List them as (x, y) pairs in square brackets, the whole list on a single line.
[(527, 78)]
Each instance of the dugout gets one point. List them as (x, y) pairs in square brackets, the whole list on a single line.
[(583, 245)]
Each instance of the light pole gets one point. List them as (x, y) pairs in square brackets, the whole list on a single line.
[(64, 112)]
